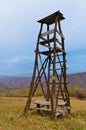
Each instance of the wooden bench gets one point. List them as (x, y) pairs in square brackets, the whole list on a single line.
[(41, 103), (44, 106), (43, 109)]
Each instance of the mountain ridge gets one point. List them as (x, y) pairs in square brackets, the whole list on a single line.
[(10, 82), (77, 79)]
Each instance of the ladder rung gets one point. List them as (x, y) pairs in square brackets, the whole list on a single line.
[(44, 82), (55, 83), (46, 41), (60, 91), (57, 55), (58, 69), (49, 41), (58, 83), (60, 62), (47, 33), (56, 76), (52, 51), (46, 52), (60, 50), (51, 76), (55, 69)]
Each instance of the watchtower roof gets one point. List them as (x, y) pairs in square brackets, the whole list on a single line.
[(51, 18)]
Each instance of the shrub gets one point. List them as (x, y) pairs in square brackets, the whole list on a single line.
[(80, 95), (77, 92)]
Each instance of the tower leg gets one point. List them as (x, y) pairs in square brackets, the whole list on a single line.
[(27, 106)]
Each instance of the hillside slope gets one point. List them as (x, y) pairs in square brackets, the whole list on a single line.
[(78, 79), (6, 87), (8, 83), (18, 82)]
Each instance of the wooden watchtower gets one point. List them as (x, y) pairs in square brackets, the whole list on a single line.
[(50, 63)]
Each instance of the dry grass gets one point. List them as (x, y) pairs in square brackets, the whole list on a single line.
[(12, 118)]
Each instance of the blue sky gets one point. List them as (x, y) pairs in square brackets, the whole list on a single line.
[(19, 30)]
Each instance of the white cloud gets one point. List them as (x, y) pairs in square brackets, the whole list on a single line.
[(17, 59), (19, 29)]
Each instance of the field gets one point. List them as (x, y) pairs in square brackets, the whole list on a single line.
[(12, 118)]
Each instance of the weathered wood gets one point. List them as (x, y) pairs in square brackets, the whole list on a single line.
[(59, 83), (42, 38), (58, 42), (47, 33), (44, 103), (61, 61), (47, 103), (53, 95), (50, 69), (40, 107), (43, 71), (60, 34), (55, 69), (60, 50), (47, 46), (43, 109), (52, 51), (51, 18), (65, 73), (46, 41), (27, 106), (39, 76), (48, 86), (58, 113)]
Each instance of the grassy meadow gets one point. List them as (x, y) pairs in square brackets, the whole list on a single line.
[(12, 118)]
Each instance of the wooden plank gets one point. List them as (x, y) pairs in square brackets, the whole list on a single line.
[(51, 18), (60, 62), (47, 33), (43, 109), (61, 98), (60, 50), (42, 38), (46, 41), (62, 103), (58, 41), (57, 55), (47, 46), (55, 69), (52, 51), (45, 103), (58, 83)]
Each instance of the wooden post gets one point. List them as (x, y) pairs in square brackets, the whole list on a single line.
[(48, 87), (64, 69), (53, 96), (27, 106)]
